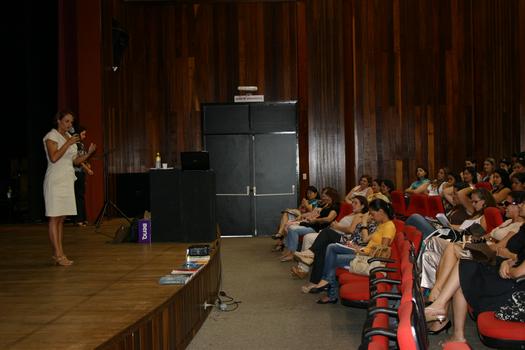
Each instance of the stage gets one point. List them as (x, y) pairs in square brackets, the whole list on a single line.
[(109, 299)]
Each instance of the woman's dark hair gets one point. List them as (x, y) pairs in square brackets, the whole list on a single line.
[(424, 169), (472, 160), (459, 185), (520, 177), (484, 195), (80, 129), (505, 179), (367, 177), (60, 115), (364, 203), (456, 177), (490, 160), (389, 184), (333, 194), (314, 190), (518, 196), (506, 161), (473, 172), (378, 204)]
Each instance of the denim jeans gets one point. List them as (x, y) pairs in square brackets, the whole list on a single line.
[(419, 222), (336, 256), (292, 238)]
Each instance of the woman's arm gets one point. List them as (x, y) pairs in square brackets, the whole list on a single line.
[(327, 219), (348, 198), (503, 242), (507, 271), (81, 159), (464, 199), (422, 188), (501, 195), (54, 152), (386, 242)]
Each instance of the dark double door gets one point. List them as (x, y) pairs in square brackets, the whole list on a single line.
[(253, 151)]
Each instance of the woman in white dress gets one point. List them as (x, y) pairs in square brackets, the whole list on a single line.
[(59, 193)]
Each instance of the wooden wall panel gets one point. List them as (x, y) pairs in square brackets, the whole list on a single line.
[(182, 55), (325, 94), (383, 86)]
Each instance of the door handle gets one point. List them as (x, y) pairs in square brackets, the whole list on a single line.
[(247, 194)]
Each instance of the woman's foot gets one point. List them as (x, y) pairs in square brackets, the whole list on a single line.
[(436, 327), (435, 314), (320, 288), (306, 257), (277, 236), (278, 248), (306, 289), (286, 257), (326, 300), (297, 272), (62, 260)]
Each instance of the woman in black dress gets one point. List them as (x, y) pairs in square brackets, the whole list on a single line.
[(483, 287)]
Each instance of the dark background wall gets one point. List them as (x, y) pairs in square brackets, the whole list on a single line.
[(30, 101), (383, 86)]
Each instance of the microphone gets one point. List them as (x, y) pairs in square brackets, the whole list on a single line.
[(71, 131)]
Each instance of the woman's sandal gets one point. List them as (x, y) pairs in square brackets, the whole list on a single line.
[(277, 236), (432, 314), (278, 248), (62, 260)]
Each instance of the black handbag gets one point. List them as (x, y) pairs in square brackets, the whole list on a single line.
[(482, 253)]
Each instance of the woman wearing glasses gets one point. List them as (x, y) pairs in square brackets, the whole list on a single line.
[(482, 287), (435, 247), (497, 241)]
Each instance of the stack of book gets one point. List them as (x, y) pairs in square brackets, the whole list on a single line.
[(196, 258), (182, 274)]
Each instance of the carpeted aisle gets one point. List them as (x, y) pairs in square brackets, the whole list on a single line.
[(274, 313)]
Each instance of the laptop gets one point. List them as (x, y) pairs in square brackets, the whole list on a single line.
[(195, 160)]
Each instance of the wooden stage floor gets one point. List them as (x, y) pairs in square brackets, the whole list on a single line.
[(110, 298)]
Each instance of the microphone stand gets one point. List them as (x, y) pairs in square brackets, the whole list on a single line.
[(107, 201)]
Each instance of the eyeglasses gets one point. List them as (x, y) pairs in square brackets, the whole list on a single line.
[(507, 203)]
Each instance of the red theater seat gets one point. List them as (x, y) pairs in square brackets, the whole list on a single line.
[(435, 206), (418, 205), (500, 334), (398, 203)]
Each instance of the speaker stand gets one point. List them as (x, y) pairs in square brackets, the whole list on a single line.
[(107, 201)]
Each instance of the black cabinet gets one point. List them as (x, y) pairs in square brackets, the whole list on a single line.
[(182, 205)]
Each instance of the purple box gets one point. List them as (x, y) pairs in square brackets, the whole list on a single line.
[(144, 231)]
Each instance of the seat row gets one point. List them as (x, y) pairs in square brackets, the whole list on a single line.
[(419, 204)]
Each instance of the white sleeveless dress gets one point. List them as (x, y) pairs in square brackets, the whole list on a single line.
[(59, 189)]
